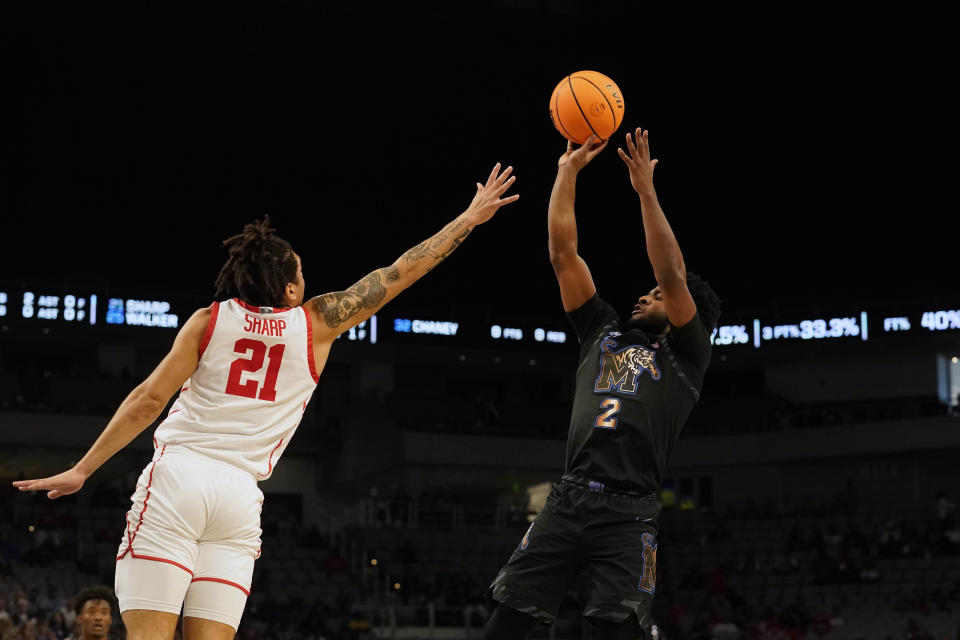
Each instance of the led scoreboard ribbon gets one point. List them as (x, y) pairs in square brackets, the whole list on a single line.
[(939, 320), (66, 308), (25, 305), (811, 329), (817, 329), (477, 333), (48, 305), (854, 326), (141, 313)]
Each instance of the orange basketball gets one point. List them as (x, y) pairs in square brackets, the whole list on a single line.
[(586, 102)]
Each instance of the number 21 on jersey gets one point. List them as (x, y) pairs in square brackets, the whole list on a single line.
[(252, 364), (608, 416)]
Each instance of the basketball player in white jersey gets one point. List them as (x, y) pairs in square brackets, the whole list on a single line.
[(245, 368)]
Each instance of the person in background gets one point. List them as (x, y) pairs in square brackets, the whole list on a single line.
[(94, 607)]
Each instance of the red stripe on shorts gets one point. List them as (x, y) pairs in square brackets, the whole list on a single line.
[(222, 581), (130, 538), (133, 555)]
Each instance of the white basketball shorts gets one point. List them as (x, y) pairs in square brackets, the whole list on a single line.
[(192, 536)]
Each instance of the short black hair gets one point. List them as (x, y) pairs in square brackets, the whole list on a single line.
[(707, 301), (94, 592), (259, 266)]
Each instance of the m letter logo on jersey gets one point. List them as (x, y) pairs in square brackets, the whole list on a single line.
[(619, 370)]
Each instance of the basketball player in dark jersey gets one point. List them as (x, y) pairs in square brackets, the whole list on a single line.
[(636, 383)]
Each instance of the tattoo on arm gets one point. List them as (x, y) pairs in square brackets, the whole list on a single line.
[(456, 243), (368, 293), (433, 246)]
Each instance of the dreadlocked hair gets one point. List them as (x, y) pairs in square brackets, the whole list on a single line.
[(706, 299), (259, 266)]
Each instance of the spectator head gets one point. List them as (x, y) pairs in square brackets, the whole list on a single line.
[(94, 609)]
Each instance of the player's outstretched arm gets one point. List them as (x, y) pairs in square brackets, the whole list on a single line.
[(573, 275), (340, 310), (662, 247), (140, 408)]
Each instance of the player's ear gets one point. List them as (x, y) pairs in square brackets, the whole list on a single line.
[(290, 294)]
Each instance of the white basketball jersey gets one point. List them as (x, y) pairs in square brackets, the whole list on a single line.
[(248, 394)]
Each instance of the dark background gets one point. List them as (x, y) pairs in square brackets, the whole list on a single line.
[(805, 153)]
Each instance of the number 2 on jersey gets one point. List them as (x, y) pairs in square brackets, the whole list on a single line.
[(608, 419), (254, 363)]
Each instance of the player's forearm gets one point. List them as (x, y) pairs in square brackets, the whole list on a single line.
[(561, 216), (421, 258), (341, 310), (662, 247), (134, 415)]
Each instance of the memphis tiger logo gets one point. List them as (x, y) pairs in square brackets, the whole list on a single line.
[(619, 370)]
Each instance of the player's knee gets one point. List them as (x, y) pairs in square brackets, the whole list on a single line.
[(508, 624), (142, 624), (202, 629)]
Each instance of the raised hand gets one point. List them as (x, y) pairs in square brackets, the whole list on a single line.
[(577, 158), (637, 159), (487, 200)]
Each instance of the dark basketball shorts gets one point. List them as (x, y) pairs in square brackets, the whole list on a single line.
[(601, 543)]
